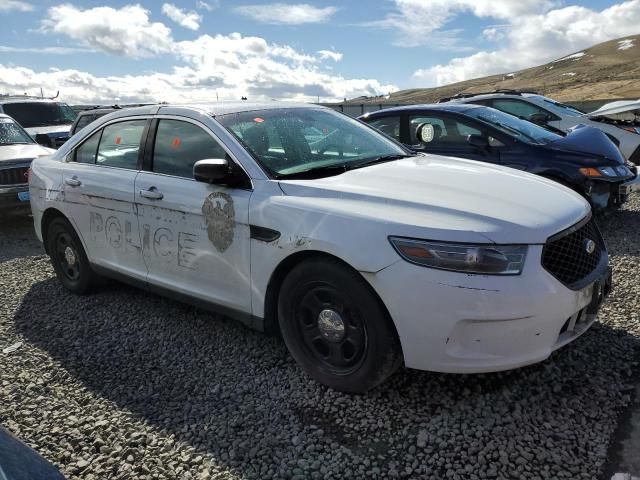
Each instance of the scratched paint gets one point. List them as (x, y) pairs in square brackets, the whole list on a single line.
[(219, 216), (160, 244)]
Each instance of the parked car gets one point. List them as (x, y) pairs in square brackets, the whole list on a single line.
[(549, 113), (85, 117), (20, 462), (46, 120), (622, 113), (17, 150), (365, 255), (584, 160)]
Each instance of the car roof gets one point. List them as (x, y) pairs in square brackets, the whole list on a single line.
[(212, 109), (453, 107), (4, 99), (483, 96)]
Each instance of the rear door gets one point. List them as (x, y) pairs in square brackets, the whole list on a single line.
[(450, 137), (98, 194), (195, 236)]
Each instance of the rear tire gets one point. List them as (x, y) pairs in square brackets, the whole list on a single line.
[(336, 328), (68, 257)]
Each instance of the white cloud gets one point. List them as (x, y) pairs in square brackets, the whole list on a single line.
[(227, 66), (326, 54), (125, 31), (15, 5), (532, 39), (284, 13), (209, 6), (45, 50), (190, 20), (420, 22)]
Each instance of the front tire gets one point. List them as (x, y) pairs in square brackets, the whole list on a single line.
[(68, 257), (336, 328)]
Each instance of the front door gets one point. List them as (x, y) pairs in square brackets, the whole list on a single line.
[(98, 196), (195, 236)]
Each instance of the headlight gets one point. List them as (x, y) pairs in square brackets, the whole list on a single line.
[(605, 171), (481, 259)]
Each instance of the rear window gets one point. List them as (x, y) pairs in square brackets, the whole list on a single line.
[(83, 121), (40, 114)]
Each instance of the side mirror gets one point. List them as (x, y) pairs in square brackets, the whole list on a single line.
[(44, 140), (479, 141), (539, 118), (211, 170), (425, 133)]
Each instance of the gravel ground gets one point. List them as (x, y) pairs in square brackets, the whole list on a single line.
[(123, 384)]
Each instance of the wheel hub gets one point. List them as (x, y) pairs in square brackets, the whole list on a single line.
[(70, 256), (331, 325)]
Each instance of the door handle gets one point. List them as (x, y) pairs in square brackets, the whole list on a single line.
[(73, 181), (151, 194)]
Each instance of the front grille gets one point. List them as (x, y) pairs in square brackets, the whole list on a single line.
[(565, 255), (14, 175)]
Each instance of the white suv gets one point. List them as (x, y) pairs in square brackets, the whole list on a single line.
[(545, 111), (296, 217)]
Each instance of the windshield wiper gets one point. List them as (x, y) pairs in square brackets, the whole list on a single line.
[(14, 143), (331, 170), (317, 172)]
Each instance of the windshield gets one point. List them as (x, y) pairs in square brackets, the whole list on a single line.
[(562, 108), (521, 129), (40, 114), (290, 141), (12, 133)]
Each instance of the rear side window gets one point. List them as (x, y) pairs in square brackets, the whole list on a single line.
[(86, 153), (120, 144), (518, 108), (179, 145), (390, 126)]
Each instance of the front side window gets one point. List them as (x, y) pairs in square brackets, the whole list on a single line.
[(86, 153), (179, 145), (390, 126), (11, 133), (40, 114), (295, 141), (120, 144), (446, 130)]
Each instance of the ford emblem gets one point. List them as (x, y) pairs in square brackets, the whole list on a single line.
[(589, 246)]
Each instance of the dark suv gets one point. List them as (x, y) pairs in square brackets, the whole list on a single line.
[(45, 120), (585, 159), (85, 117)]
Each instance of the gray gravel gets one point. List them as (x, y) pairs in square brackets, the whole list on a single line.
[(122, 384)]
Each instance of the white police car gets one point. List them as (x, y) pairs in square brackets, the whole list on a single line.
[(296, 217)]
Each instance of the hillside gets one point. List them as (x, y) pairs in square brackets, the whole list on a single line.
[(608, 70)]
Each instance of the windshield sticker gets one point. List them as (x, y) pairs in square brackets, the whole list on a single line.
[(176, 142), (118, 140), (219, 216), (258, 120)]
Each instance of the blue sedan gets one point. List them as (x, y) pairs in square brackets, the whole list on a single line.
[(585, 160)]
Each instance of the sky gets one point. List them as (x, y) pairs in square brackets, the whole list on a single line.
[(120, 51)]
